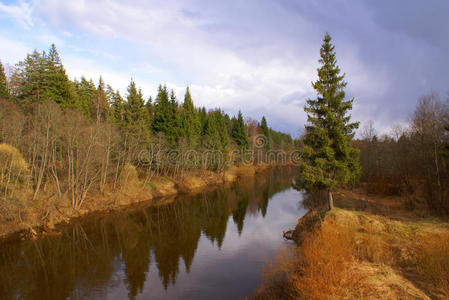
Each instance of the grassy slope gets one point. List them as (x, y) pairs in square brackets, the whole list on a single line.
[(382, 252)]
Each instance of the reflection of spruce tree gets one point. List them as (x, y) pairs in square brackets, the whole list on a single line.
[(190, 230), (136, 253), (263, 205), (240, 212), (216, 214), (166, 243)]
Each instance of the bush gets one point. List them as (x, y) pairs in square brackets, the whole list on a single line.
[(14, 179), (129, 174)]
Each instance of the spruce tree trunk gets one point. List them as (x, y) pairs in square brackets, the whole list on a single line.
[(330, 199)]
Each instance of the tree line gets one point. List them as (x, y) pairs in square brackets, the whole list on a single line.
[(63, 139), (412, 161)]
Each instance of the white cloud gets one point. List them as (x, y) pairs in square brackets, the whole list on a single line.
[(11, 51), (20, 12)]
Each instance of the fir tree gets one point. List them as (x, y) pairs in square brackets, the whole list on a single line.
[(117, 108), (162, 113), (190, 123), (42, 77), (266, 133), (100, 102), (136, 116), (150, 107), (215, 132), (238, 133), (84, 93), (4, 93), (328, 157), (165, 118), (173, 125), (135, 107)]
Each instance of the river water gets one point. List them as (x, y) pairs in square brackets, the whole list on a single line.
[(213, 245)]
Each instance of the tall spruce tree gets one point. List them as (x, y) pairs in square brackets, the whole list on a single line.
[(100, 102), (328, 156), (165, 118), (117, 112), (190, 121), (162, 111), (84, 92), (136, 116), (173, 125), (215, 131), (4, 93), (42, 77), (266, 133), (238, 133)]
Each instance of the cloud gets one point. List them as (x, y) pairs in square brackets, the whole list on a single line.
[(257, 56), (20, 12), (12, 51)]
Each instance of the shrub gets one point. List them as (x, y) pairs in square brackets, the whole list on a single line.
[(14, 177)]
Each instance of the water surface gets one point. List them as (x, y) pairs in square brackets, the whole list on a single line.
[(210, 246)]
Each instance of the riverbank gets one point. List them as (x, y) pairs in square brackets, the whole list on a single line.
[(382, 252), (42, 217)]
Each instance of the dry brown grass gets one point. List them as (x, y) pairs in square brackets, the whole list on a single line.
[(359, 255), (432, 261)]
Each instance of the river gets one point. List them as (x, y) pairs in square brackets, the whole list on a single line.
[(213, 245)]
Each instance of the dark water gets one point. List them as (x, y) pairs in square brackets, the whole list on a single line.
[(210, 246)]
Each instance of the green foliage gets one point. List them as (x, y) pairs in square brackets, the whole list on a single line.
[(84, 91), (100, 102), (117, 111), (238, 133), (166, 116), (329, 158), (136, 121), (215, 132), (280, 140), (4, 92), (42, 77), (150, 108), (190, 124), (266, 132)]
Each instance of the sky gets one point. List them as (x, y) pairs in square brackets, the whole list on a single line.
[(259, 57)]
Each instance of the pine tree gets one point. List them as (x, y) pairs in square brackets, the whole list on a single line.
[(29, 77), (135, 106), (4, 93), (150, 107), (100, 102), (165, 118), (238, 133), (117, 108), (161, 111), (266, 133), (215, 132), (42, 77), (173, 125), (190, 123), (84, 92), (328, 157), (136, 116)]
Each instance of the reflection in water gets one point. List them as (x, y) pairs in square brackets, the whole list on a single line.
[(189, 248)]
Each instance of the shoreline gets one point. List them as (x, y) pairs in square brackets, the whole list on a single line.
[(158, 190)]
